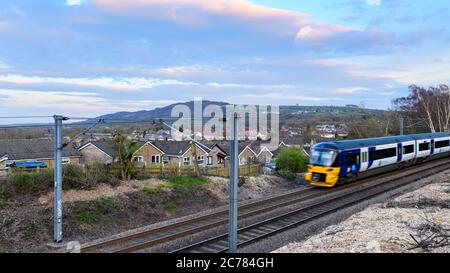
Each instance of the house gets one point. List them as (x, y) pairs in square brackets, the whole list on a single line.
[(246, 153), (295, 142), (101, 151), (40, 150)]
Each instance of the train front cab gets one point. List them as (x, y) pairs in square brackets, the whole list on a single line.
[(323, 169)]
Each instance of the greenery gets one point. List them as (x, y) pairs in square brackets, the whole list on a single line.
[(188, 185), (126, 149), (170, 206), (95, 211), (292, 159), (150, 190), (287, 174), (26, 183)]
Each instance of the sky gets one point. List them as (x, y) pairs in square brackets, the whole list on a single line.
[(92, 57)]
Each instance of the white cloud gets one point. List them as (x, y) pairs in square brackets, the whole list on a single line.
[(3, 65), (72, 102), (122, 84), (374, 2), (73, 2)]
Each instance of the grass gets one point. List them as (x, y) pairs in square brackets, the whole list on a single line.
[(96, 211), (87, 217), (185, 186), (170, 206), (150, 190)]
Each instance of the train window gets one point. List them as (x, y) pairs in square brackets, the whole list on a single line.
[(424, 146), (380, 154), (408, 149), (352, 159), (441, 144)]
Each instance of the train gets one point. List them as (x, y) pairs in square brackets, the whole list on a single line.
[(338, 162)]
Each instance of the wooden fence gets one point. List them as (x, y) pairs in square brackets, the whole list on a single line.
[(175, 170)]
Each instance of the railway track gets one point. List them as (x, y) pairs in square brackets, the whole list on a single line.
[(314, 210), (151, 237), (248, 234)]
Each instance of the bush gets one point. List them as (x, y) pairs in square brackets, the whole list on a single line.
[(28, 182), (75, 178), (292, 159), (287, 174)]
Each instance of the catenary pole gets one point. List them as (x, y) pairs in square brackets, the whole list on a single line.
[(58, 180), (234, 187)]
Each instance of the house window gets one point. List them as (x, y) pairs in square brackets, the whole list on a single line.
[(200, 159), (209, 160), (156, 158), (186, 161), (165, 159), (65, 160), (139, 159), (242, 161)]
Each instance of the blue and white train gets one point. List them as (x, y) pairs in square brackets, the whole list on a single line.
[(340, 161)]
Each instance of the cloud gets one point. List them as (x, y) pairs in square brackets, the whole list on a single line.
[(374, 2), (72, 102), (73, 2), (3, 65), (122, 84), (206, 13)]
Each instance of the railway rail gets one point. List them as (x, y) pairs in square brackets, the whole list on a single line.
[(314, 204)]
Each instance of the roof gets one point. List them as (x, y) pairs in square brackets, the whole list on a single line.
[(107, 146), (39, 148), (293, 141), (226, 146), (176, 148), (357, 143)]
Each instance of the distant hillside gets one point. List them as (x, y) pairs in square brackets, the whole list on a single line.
[(286, 112), (160, 112)]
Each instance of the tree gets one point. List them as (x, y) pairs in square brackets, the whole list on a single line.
[(125, 150), (432, 105), (292, 159)]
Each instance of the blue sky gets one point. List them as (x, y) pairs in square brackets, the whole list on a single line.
[(92, 57)]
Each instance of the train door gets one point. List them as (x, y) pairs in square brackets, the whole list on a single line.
[(351, 162), (364, 159), (432, 147), (399, 152)]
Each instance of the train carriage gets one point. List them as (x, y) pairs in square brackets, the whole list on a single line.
[(341, 161)]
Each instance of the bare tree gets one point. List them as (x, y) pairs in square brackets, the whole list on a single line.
[(432, 105)]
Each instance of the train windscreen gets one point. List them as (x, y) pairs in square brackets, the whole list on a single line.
[(322, 157)]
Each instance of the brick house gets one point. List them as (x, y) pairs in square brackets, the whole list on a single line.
[(35, 150)]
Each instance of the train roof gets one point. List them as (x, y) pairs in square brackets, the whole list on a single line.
[(366, 142)]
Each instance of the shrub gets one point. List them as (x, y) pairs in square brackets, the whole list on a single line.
[(292, 159), (287, 174), (28, 182), (75, 178)]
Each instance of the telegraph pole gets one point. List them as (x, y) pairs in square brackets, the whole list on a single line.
[(234, 187), (58, 180)]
